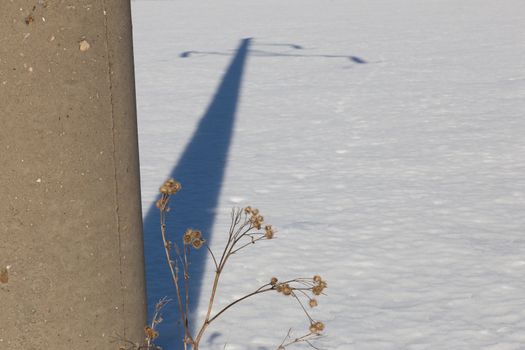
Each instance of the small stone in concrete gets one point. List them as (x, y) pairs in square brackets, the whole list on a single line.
[(84, 45), (4, 274)]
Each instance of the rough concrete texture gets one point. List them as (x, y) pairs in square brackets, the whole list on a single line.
[(70, 220)]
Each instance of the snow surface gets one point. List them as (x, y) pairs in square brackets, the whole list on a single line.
[(383, 139)]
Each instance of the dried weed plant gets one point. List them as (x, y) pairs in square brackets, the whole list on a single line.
[(246, 229)]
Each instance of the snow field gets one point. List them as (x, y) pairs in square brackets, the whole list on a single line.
[(400, 180)]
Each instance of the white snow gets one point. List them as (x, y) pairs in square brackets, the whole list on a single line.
[(385, 142)]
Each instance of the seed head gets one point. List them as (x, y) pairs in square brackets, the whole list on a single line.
[(319, 326), (273, 281), (316, 327), (197, 243), (186, 239), (313, 328), (287, 290), (150, 333), (170, 186), (248, 210), (268, 232), (196, 234), (317, 290), (312, 303), (320, 285)]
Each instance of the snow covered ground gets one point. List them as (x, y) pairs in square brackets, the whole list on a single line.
[(383, 139)]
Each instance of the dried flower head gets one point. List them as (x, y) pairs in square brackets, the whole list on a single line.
[(319, 286), (150, 333), (170, 187), (197, 243), (316, 327), (273, 281), (313, 328), (317, 290), (196, 234), (312, 302), (248, 210), (269, 232), (287, 290), (186, 239)]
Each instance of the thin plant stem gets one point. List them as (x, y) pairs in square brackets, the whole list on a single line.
[(186, 292), (213, 256), (258, 291), (302, 307), (174, 274)]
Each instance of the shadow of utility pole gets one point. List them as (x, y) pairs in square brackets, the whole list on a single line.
[(200, 171)]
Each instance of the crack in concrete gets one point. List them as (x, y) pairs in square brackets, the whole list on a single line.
[(114, 151)]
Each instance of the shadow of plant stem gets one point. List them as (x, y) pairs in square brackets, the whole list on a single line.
[(246, 229)]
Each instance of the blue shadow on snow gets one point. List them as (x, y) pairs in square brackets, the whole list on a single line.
[(200, 170)]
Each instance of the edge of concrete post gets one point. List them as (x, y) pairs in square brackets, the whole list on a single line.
[(127, 170)]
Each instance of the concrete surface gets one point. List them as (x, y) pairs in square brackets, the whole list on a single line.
[(70, 217)]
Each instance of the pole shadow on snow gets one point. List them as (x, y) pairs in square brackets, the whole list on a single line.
[(200, 171)]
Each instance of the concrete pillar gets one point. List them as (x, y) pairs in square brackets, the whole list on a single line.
[(70, 217)]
